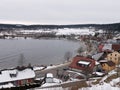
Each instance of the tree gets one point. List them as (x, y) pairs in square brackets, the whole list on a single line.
[(21, 60), (67, 55)]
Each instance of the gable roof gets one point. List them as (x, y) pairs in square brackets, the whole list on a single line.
[(110, 63), (107, 47), (97, 56), (82, 61)]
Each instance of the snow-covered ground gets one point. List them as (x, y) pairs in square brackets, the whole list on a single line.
[(112, 85), (102, 85), (65, 31), (9, 85), (35, 68), (75, 31), (105, 86)]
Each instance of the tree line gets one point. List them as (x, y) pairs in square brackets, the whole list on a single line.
[(111, 27)]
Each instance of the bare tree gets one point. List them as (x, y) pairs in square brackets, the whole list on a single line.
[(67, 55), (21, 60)]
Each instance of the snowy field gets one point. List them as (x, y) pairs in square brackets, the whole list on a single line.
[(65, 31)]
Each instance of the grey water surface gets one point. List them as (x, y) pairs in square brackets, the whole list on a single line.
[(36, 52)]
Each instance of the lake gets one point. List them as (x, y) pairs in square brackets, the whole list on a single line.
[(34, 51)]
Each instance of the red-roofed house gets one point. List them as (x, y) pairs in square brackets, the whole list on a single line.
[(81, 63)]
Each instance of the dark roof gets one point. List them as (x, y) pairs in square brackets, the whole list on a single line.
[(110, 63)]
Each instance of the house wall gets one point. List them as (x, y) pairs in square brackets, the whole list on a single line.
[(115, 57), (107, 68), (22, 82)]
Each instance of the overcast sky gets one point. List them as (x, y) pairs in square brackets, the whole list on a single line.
[(59, 11)]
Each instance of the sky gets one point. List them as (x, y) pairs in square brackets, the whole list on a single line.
[(59, 11)]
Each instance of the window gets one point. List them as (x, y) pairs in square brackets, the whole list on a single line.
[(103, 64), (13, 75)]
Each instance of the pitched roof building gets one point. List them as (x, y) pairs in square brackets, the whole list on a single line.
[(107, 65), (109, 47), (81, 63), (17, 76)]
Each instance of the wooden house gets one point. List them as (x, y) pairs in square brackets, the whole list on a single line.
[(107, 65), (114, 57), (18, 76)]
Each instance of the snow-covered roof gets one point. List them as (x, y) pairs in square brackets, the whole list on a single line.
[(5, 75), (97, 63), (97, 56), (84, 62), (103, 61), (107, 47), (49, 75)]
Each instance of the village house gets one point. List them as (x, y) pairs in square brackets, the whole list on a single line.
[(82, 64), (107, 65), (19, 76), (109, 47), (115, 57)]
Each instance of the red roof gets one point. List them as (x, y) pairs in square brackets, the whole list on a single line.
[(116, 47), (80, 61)]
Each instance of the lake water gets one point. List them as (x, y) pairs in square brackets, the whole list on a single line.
[(36, 52)]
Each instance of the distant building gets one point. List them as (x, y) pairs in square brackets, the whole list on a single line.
[(18, 76), (109, 47)]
